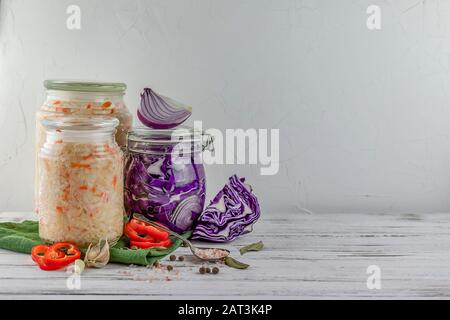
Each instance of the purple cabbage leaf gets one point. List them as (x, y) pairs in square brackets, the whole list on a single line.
[(231, 213)]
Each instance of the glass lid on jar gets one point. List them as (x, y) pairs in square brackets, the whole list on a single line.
[(144, 139), (85, 86), (80, 123)]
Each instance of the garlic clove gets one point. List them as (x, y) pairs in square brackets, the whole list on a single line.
[(79, 266), (97, 256)]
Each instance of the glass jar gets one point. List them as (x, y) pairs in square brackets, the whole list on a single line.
[(68, 99), (80, 181), (74, 98), (164, 175)]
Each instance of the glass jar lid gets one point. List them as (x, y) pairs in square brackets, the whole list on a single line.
[(82, 129), (146, 140), (85, 86), (80, 124)]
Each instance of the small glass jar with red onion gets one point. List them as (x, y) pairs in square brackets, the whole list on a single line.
[(164, 175)]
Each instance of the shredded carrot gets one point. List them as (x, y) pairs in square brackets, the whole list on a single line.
[(114, 182), (84, 187), (103, 196), (100, 194), (89, 156), (59, 209), (66, 193), (61, 109), (94, 189), (109, 149), (59, 141), (88, 106), (58, 130), (77, 165), (112, 111), (106, 104), (57, 102)]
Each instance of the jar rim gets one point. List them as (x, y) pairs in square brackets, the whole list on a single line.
[(165, 136), (140, 136), (80, 123), (84, 86)]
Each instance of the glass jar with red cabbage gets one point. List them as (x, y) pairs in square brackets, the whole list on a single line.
[(164, 175)]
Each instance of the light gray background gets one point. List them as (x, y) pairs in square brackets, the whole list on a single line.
[(364, 115)]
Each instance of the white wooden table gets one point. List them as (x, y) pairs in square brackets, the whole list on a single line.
[(306, 256)]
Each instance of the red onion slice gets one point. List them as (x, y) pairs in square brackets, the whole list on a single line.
[(159, 112)]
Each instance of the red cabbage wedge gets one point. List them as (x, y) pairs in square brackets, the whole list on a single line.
[(231, 213), (159, 112)]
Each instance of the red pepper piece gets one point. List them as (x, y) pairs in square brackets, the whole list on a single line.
[(143, 228), (38, 253), (136, 236), (147, 245), (61, 254)]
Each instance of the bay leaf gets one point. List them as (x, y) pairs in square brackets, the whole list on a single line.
[(233, 263), (252, 247)]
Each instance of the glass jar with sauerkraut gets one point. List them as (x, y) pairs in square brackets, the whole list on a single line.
[(81, 98), (164, 175), (80, 174), (68, 99)]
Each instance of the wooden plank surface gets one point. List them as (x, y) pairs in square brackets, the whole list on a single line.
[(307, 256)]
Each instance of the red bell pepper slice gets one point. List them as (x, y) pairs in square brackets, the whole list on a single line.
[(61, 254), (143, 228), (147, 245), (136, 236), (38, 253)]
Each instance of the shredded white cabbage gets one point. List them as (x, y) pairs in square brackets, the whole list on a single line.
[(76, 107), (80, 191)]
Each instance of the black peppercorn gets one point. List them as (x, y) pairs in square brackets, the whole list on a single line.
[(202, 270), (173, 257), (208, 270), (215, 270), (180, 258), (169, 268)]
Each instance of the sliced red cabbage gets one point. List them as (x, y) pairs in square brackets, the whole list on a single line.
[(161, 112), (231, 213), (185, 212), (157, 189)]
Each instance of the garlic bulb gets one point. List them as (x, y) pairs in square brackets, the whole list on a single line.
[(97, 256)]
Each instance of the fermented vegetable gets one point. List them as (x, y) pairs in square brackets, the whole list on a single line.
[(231, 213), (161, 191), (161, 183), (81, 185)]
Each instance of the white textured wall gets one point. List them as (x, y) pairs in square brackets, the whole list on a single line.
[(364, 115)]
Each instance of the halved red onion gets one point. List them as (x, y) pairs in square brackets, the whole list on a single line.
[(159, 112)]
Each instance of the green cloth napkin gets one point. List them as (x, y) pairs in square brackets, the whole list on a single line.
[(23, 236)]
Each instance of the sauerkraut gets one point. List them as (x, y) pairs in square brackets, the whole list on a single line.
[(84, 107), (82, 104), (80, 190)]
